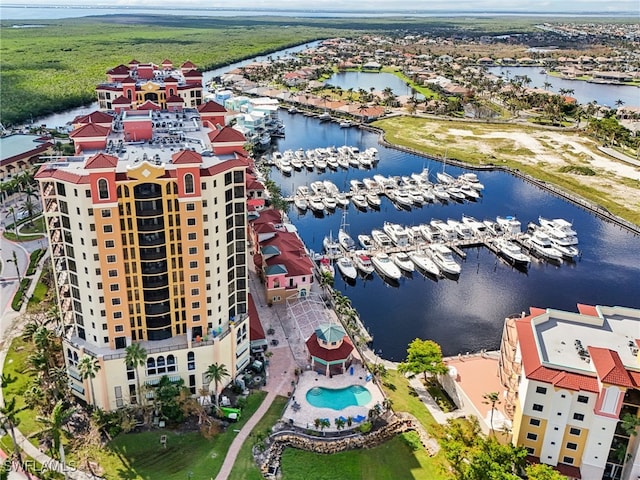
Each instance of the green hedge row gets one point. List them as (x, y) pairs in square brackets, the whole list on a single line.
[(19, 296), (36, 255)]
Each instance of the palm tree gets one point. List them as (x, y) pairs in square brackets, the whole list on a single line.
[(619, 103), (29, 208), (136, 356), (493, 399), (8, 422), (88, 366), (215, 373), (340, 422), (53, 427)]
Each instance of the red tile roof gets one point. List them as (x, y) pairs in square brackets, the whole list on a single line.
[(188, 64), (211, 107), (588, 310), (166, 61), (121, 100), (609, 367), (256, 332), (175, 99), (90, 130), (192, 74), (119, 70), (226, 135), (128, 80), (186, 157), (101, 160), (94, 117), (64, 175), (341, 353), (268, 216), (149, 105)]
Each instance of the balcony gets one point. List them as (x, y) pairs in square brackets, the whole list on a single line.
[(154, 268), (157, 308), (147, 191), (151, 239), (153, 253), (157, 281), (158, 295), (154, 224)]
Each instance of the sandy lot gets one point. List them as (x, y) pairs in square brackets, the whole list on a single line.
[(541, 147)]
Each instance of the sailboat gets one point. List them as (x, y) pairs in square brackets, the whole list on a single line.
[(444, 177), (345, 240)]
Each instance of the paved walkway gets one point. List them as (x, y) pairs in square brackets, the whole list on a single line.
[(620, 156)]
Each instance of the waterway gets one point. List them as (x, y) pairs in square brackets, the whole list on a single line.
[(467, 314), (583, 92), (367, 81)]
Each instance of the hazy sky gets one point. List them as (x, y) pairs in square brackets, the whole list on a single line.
[(387, 5)]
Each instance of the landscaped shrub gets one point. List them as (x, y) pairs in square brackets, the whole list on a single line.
[(577, 170), (36, 255), (412, 439), (19, 296), (365, 427)]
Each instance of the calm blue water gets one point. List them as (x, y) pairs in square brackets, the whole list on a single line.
[(467, 314), (338, 399), (367, 81), (583, 92)]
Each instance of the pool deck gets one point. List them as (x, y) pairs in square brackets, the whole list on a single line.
[(305, 415)]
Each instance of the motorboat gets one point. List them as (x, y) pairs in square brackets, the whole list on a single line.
[(329, 203), (331, 246), (443, 257), (424, 262), (330, 187), (421, 178), (540, 243), (309, 164), (297, 163), (365, 240), (342, 161), (303, 191), (318, 187), (345, 124), (444, 177), (468, 177), (441, 193), (385, 182), (415, 196), (292, 110), (365, 161), (332, 162), (397, 234), (569, 252), (363, 263), (477, 227), (403, 261), (373, 200), (463, 231), (320, 163), (559, 224), (510, 225), (316, 204), (385, 266), (326, 267), (346, 267), (360, 201), (381, 239), (469, 192), (324, 116), (342, 200), (493, 227), (427, 194), (357, 185), (512, 252), (414, 233), (344, 239), (401, 199), (301, 203), (431, 233), (455, 193), (446, 231)]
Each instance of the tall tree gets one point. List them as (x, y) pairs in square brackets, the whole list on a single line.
[(54, 427), (89, 367), (493, 399), (540, 471), (215, 373), (9, 420), (135, 357), (423, 356)]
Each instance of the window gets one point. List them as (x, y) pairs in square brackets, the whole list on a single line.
[(171, 363), (105, 213), (531, 450), (115, 301), (191, 207), (113, 273), (583, 399), (572, 446), (575, 431), (103, 189), (537, 407), (193, 250), (195, 291), (117, 315), (151, 366), (532, 436), (109, 244), (534, 422), (192, 236), (111, 258), (188, 183), (191, 361), (114, 287), (193, 278), (119, 328), (567, 460), (107, 228), (191, 222), (542, 390), (195, 305), (193, 264), (578, 416)]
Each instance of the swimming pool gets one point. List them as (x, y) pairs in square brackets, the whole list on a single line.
[(337, 399)]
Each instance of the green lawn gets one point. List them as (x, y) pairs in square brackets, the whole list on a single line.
[(392, 460), (140, 455), (245, 468)]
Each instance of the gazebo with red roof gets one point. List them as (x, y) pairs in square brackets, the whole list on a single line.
[(330, 349)]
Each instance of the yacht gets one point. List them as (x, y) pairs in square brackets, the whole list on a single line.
[(345, 240), (332, 162), (477, 227), (431, 233), (373, 200), (424, 262), (444, 177), (510, 225), (403, 261), (427, 194), (396, 233), (540, 243), (330, 187), (297, 163), (345, 124), (493, 227), (317, 187), (292, 110), (560, 231), (357, 186), (342, 161), (421, 178), (301, 203), (342, 200), (469, 192), (385, 267), (447, 233), (329, 203), (401, 199), (346, 267), (331, 246), (365, 161), (455, 193), (384, 182), (324, 116), (302, 191), (363, 262), (381, 239), (366, 241), (320, 163), (463, 231), (360, 201), (315, 204), (569, 252), (441, 193), (512, 252), (443, 257), (326, 267)]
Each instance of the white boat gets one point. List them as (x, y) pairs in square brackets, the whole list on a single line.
[(344, 239), (510, 225), (284, 165), (356, 186), (318, 187), (303, 191), (329, 203), (540, 243), (346, 124), (455, 193), (421, 178), (297, 163), (559, 224), (331, 246), (301, 203), (468, 177), (403, 261), (401, 198), (373, 200), (463, 231), (396, 233), (365, 240), (326, 267), (493, 227), (342, 200), (372, 152), (441, 193), (569, 252), (330, 187), (332, 162), (315, 204), (293, 110), (365, 160), (320, 163), (324, 116), (342, 161), (360, 201), (446, 231), (442, 255), (427, 193), (363, 263), (477, 227), (431, 233), (512, 252), (469, 192), (423, 262), (385, 266), (444, 177), (381, 239), (385, 182), (346, 267)]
